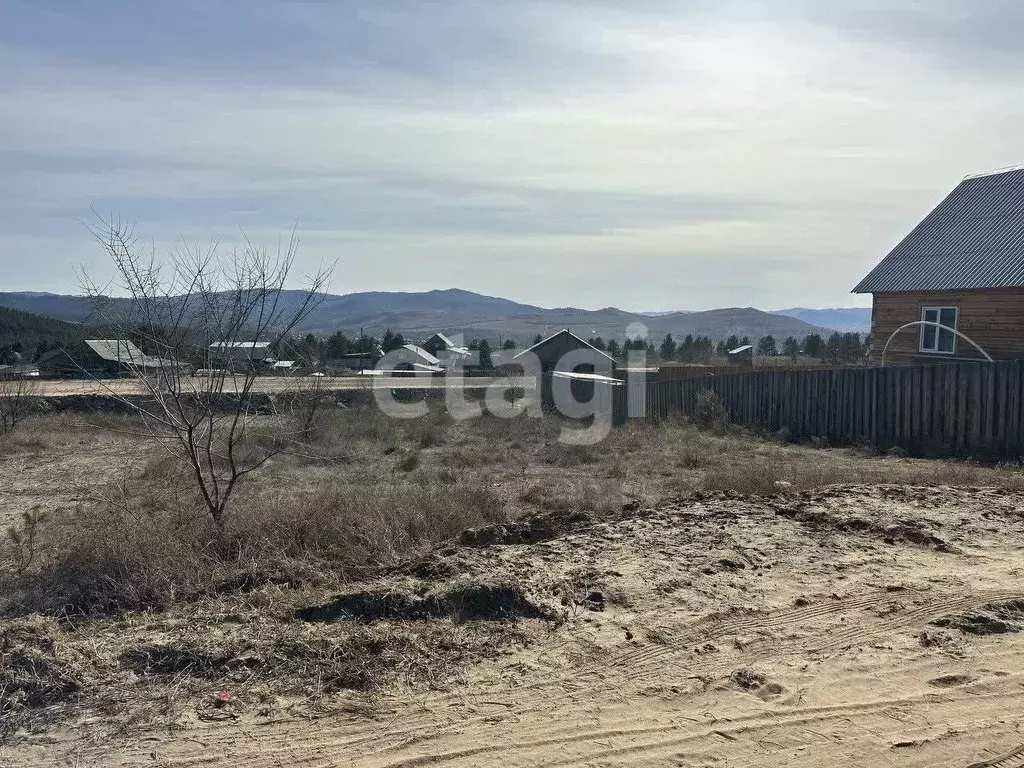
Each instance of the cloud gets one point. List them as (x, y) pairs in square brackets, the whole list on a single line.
[(642, 154)]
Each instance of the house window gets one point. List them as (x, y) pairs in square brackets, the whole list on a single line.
[(938, 340)]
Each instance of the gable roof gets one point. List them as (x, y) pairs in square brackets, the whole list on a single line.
[(240, 345), (116, 350), (448, 343), (564, 331), (120, 351), (973, 239), (421, 353)]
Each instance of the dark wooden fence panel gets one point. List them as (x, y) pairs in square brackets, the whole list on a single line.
[(969, 408)]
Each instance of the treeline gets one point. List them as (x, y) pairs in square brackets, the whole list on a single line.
[(838, 347), (313, 351), (25, 337)]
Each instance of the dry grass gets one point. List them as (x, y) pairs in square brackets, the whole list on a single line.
[(37, 676), (366, 493), (145, 669)]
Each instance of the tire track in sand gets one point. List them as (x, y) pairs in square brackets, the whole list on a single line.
[(639, 667)]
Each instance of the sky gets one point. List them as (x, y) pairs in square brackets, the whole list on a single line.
[(645, 154)]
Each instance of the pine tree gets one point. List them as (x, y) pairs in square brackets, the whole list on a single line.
[(791, 348), (834, 347), (485, 354), (391, 341), (667, 350), (766, 346), (814, 346)]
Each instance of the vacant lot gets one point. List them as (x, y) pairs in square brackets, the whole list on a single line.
[(129, 386), (477, 593)]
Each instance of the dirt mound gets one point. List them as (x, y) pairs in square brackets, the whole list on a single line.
[(530, 530), (951, 681), (473, 602), (904, 531), (991, 619)]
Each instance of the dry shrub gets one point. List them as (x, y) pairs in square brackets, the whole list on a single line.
[(569, 455), (408, 461), (33, 673), (101, 559), (469, 458), (430, 430), (107, 558), (596, 497), (362, 528), (709, 412), (344, 427), (522, 429)]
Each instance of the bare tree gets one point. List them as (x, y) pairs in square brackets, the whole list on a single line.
[(200, 311), (19, 399)]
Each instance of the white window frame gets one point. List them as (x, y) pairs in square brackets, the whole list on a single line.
[(938, 318)]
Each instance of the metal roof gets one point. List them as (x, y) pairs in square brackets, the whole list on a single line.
[(240, 345), (569, 333), (588, 377), (116, 350), (973, 239), (442, 338), (421, 353)]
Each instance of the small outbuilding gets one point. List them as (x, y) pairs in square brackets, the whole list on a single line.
[(240, 354), (354, 361), (742, 356)]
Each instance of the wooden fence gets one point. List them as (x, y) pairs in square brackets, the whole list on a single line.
[(969, 408), (670, 372)]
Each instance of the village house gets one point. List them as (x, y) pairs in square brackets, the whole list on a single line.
[(960, 271), (97, 358), (410, 357), (552, 349), (237, 355), (448, 353)]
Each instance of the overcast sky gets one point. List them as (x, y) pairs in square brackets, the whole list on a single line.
[(647, 154)]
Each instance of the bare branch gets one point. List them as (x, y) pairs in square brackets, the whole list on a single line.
[(178, 311)]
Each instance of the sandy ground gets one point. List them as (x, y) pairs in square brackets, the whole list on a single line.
[(58, 387), (861, 626)]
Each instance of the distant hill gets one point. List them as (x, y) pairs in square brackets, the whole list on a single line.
[(454, 311), (847, 319), (76, 309), (31, 331)]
